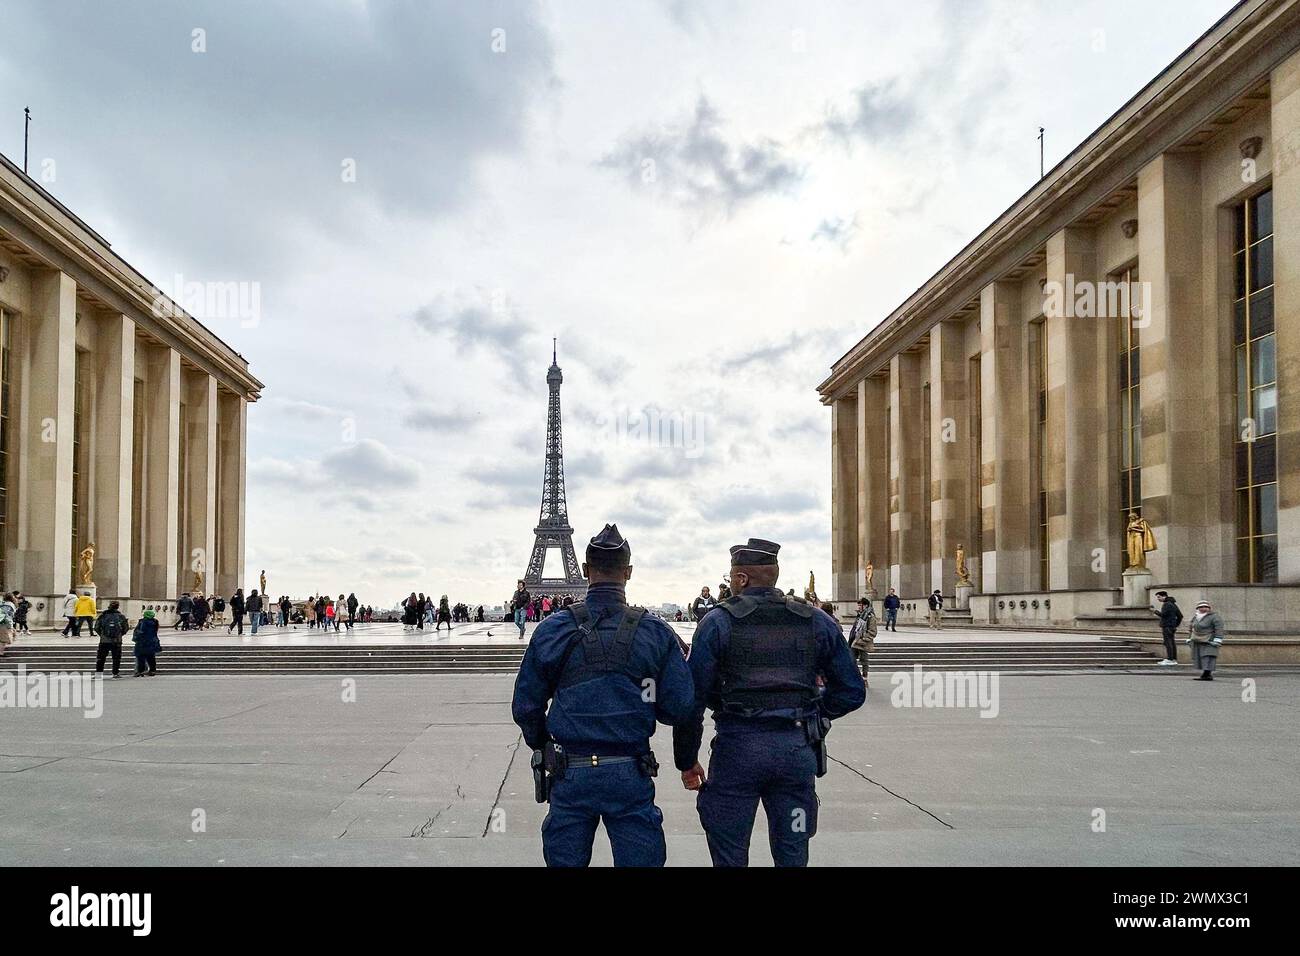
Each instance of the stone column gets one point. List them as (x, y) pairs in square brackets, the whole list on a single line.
[(200, 524), (908, 445), (231, 434), (1179, 425), (949, 446), (1007, 501), (1286, 304), (1080, 392), (44, 552), (162, 479), (873, 482), (114, 383), (844, 497)]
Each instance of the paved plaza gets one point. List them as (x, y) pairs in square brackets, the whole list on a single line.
[(430, 770)]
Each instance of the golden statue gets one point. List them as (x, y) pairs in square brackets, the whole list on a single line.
[(262, 580), (1138, 540), (86, 564), (810, 593), (963, 572), (871, 573), (198, 581)]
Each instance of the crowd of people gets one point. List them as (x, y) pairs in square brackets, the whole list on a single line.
[(418, 610)]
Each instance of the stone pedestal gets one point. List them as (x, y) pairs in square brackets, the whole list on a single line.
[(964, 591), (1136, 583), (89, 590)]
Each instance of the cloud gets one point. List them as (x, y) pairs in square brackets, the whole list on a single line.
[(369, 464), (878, 112), (838, 232), (434, 420), (738, 503), (279, 99), (472, 325), (696, 167)]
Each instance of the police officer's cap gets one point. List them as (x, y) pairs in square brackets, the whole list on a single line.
[(755, 552), (609, 547)]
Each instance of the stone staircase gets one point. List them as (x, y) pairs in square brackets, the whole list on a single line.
[(889, 655)]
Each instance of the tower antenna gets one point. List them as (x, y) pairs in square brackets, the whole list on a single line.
[(27, 125)]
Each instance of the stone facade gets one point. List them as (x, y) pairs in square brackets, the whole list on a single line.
[(123, 421), (1126, 337)]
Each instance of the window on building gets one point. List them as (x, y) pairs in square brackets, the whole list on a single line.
[(1130, 405), (1256, 361)]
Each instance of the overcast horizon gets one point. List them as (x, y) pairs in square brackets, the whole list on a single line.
[(705, 203)]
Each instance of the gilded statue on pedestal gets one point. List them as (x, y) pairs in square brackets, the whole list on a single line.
[(86, 564), (963, 572), (810, 592), (1138, 540), (871, 573)]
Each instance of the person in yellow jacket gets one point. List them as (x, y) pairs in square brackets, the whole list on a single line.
[(85, 611)]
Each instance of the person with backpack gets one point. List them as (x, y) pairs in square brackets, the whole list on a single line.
[(147, 645), (892, 604), (112, 627), (862, 636), (184, 611), (1170, 617)]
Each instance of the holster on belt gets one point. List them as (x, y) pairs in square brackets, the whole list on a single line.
[(817, 727), (548, 766)]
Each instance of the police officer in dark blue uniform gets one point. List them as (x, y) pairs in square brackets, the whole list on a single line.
[(609, 671), (756, 660)]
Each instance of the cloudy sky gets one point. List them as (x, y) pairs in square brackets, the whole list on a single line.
[(706, 201)]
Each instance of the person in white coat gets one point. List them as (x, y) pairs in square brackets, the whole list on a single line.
[(70, 613)]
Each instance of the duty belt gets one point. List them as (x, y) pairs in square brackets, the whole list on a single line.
[(572, 762)]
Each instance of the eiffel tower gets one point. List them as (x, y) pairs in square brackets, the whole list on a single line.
[(553, 530)]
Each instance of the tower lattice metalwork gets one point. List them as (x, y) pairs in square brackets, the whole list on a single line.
[(553, 530)]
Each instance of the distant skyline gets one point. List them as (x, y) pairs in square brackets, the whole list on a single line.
[(706, 202)]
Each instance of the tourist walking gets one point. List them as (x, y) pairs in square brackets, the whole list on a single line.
[(8, 608), (70, 614), (184, 611), (352, 609), (254, 608), (236, 611), (85, 614), (519, 606), (1170, 617), (1205, 635), (936, 610), (703, 604), (21, 607), (201, 611), (444, 614), (112, 627), (892, 604), (218, 609), (862, 636), (147, 645)]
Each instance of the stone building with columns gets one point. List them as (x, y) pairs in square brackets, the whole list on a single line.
[(1124, 339), (122, 422)]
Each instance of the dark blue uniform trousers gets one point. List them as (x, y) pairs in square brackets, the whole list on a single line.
[(775, 766), (619, 795)]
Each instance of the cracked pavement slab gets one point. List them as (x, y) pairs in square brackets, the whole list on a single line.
[(430, 770)]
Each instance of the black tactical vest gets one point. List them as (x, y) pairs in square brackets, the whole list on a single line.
[(595, 661), (771, 660)]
